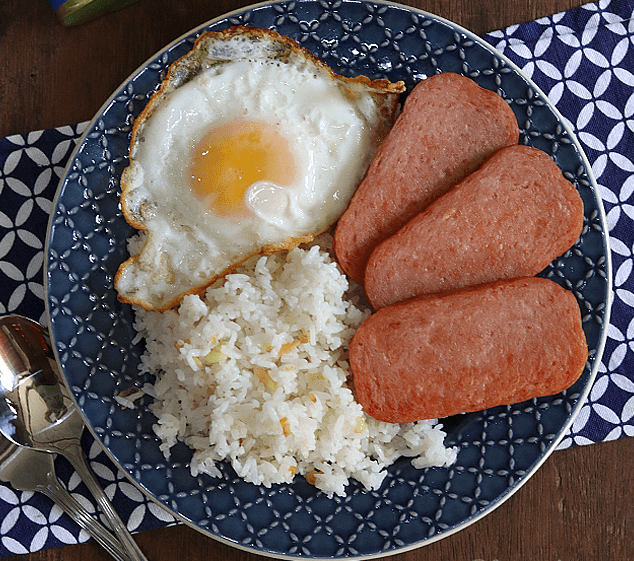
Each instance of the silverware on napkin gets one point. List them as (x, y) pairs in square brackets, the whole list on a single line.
[(37, 411), (29, 470)]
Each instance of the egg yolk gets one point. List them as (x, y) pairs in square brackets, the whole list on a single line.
[(230, 158)]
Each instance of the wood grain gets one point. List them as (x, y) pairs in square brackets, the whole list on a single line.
[(575, 508), (53, 76)]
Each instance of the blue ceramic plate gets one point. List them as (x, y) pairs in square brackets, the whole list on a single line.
[(498, 449)]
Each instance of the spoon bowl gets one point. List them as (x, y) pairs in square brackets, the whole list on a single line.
[(37, 411)]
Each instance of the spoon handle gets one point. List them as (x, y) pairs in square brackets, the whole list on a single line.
[(75, 455), (58, 494)]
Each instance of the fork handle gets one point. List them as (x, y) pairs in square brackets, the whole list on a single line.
[(58, 494), (73, 452)]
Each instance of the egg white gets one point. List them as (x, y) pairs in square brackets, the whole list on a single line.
[(331, 132)]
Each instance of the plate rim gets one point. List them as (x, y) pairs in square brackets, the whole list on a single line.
[(552, 445)]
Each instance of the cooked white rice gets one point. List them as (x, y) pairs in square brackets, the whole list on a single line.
[(256, 374)]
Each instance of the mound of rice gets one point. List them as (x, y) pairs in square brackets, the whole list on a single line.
[(256, 374)]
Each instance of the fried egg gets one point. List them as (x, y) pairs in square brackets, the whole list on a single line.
[(251, 145)]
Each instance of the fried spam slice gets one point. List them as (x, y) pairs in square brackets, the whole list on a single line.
[(495, 344), (449, 126), (508, 219)]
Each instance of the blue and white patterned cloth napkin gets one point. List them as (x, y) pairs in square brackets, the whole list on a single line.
[(582, 59)]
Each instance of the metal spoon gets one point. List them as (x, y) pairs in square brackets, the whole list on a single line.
[(36, 409), (30, 470)]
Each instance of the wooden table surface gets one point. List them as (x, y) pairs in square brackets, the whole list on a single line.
[(576, 507)]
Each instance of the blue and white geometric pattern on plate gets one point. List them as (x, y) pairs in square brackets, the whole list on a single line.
[(92, 332)]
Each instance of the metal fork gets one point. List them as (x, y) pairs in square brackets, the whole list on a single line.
[(30, 470)]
